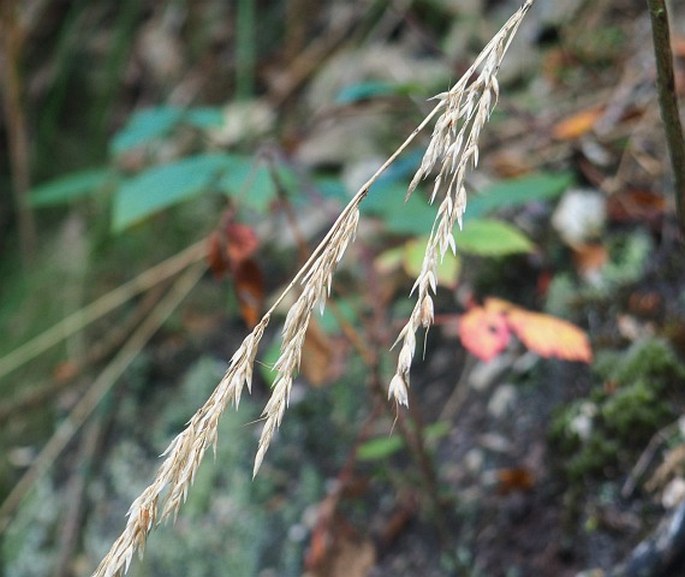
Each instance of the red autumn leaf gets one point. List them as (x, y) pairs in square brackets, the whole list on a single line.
[(484, 332), (230, 245), (249, 288), (215, 256), (549, 336), (241, 242)]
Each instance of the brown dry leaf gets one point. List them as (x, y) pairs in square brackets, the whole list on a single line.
[(317, 356), (590, 258), (549, 336), (514, 479), (215, 256), (635, 205), (348, 556), (249, 288), (241, 242), (577, 124)]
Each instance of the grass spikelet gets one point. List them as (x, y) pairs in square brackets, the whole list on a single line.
[(453, 148)]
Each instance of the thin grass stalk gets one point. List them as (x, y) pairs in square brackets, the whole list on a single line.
[(172, 482)]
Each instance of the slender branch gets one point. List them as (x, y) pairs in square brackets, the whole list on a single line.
[(668, 102)]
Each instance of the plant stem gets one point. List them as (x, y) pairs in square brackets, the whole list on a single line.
[(668, 102), (12, 44)]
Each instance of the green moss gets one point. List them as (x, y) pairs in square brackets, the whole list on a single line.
[(594, 436)]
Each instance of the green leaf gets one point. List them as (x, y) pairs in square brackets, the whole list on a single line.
[(383, 447), (76, 185), (386, 200), (448, 269), (249, 182), (371, 89), (436, 431), (162, 186), (484, 237), (144, 126), (517, 191), (331, 187), (204, 117), (379, 448)]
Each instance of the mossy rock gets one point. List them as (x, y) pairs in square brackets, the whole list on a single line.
[(595, 436)]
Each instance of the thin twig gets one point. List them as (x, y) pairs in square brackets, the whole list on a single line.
[(99, 308), (668, 102)]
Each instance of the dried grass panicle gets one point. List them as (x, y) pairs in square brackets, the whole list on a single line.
[(452, 150), (316, 288), (183, 456), (453, 147)]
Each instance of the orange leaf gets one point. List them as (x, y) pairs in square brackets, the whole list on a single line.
[(484, 332), (549, 336), (577, 125), (249, 288), (516, 479), (590, 258)]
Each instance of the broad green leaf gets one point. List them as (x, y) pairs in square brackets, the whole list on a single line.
[(379, 448), (162, 186), (76, 185), (415, 216), (248, 181), (448, 269), (485, 237), (144, 126), (517, 191)]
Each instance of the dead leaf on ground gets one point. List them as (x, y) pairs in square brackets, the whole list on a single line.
[(577, 124), (348, 557), (636, 205), (514, 479), (590, 259)]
